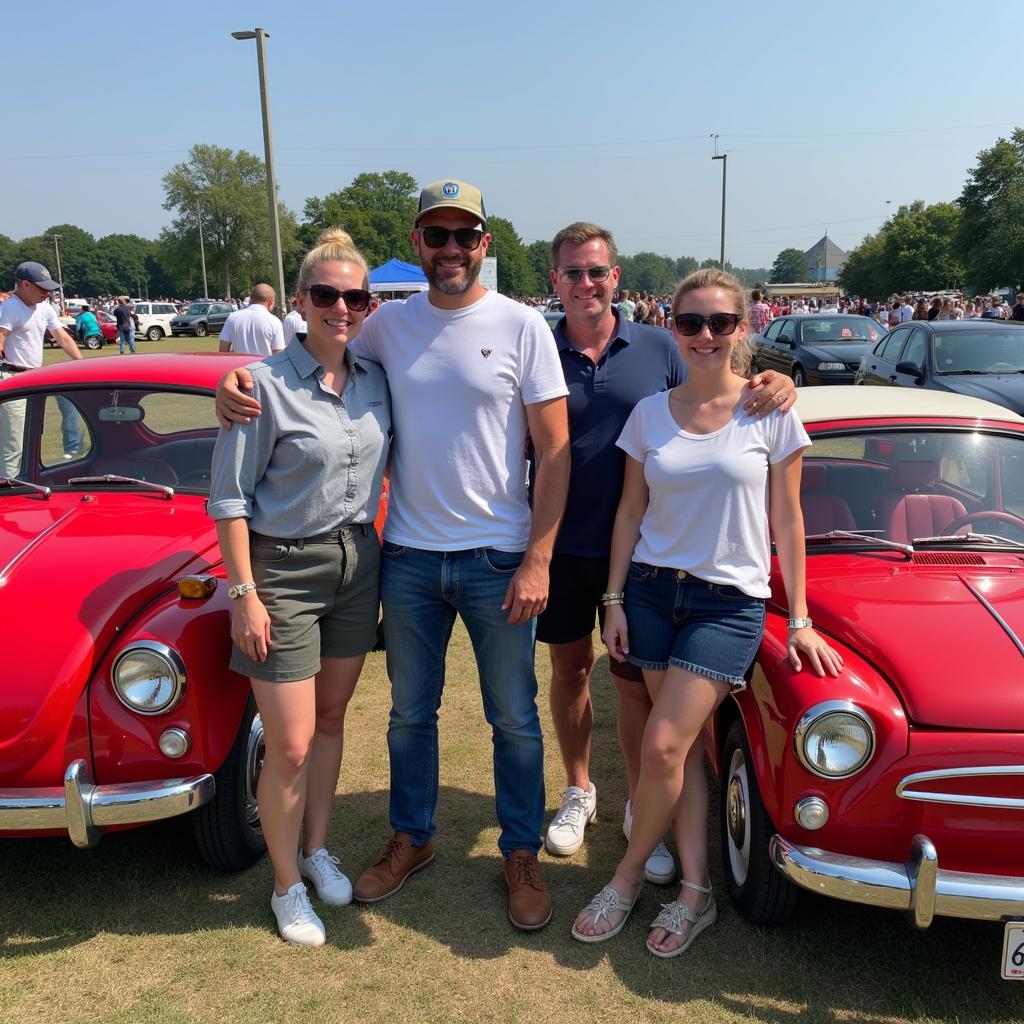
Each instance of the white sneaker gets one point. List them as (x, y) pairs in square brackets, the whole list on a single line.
[(660, 867), (330, 883), (296, 920), (578, 810)]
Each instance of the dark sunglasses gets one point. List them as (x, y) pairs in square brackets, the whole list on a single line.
[(689, 324), (323, 296), (465, 238), (574, 274)]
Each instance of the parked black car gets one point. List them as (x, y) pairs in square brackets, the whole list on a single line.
[(816, 348), (201, 318), (980, 358)]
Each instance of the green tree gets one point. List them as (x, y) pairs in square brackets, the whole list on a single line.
[(789, 266), (84, 267), (231, 190), (377, 210), (648, 272), (990, 237), (8, 261), (126, 256), (863, 272), (539, 255), (686, 265), (516, 275)]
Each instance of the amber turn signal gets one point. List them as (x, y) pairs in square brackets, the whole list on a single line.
[(197, 587)]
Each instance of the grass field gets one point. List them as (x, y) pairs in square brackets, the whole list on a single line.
[(137, 931)]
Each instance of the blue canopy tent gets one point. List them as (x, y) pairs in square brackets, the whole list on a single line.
[(396, 276)]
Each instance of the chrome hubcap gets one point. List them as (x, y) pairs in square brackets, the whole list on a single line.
[(253, 766), (736, 812), (737, 802)]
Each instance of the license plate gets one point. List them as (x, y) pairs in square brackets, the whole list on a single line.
[(1013, 951)]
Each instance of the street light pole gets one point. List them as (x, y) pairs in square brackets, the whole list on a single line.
[(724, 157), (60, 276), (275, 227), (202, 250)]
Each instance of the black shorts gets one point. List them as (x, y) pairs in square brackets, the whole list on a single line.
[(574, 595)]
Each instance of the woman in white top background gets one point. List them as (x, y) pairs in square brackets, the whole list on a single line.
[(687, 584)]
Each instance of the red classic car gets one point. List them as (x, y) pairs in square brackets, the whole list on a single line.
[(899, 784), (117, 706)]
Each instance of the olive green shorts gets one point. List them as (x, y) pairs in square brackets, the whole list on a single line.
[(322, 595)]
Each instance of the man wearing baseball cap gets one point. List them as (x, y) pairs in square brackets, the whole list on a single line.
[(470, 372), (24, 320)]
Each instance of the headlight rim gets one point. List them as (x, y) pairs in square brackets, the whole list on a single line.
[(180, 677), (821, 710)]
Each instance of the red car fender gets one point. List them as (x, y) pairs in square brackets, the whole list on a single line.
[(126, 744)]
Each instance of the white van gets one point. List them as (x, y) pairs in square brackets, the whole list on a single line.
[(154, 318)]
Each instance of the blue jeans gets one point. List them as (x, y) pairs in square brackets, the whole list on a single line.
[(421, 593), (70, 432), (125, 336)]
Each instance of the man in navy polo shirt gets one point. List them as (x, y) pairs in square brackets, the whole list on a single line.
[(609, 363)]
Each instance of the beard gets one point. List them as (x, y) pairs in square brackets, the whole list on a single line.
[(474, 261)]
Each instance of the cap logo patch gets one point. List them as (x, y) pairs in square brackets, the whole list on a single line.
[(450, 190), (485, 352)]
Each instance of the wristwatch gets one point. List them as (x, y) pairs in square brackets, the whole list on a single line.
[(790, 623), (239, 589)]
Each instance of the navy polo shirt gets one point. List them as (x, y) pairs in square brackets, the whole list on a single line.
[(640, 360)]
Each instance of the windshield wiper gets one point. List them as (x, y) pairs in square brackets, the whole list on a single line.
[(969, 373), (111, 478), (961, 538), (863, 536), (10, 481)]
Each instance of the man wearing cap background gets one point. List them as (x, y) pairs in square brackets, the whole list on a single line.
[(24, 320), (470, 372)]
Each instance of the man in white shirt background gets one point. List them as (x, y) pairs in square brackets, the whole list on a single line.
[(293, 323), (254, 330)]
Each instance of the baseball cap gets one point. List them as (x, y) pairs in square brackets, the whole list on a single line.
[(36, 274), (452, 195)]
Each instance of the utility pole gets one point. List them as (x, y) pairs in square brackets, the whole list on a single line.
[(202, 251), (60, 276), (724, 157)]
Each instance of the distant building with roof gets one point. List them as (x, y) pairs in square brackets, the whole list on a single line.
[(824, 260)]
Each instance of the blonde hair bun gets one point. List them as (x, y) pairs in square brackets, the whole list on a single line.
[(335, 236)]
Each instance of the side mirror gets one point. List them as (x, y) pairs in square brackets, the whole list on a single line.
[(911, 370)]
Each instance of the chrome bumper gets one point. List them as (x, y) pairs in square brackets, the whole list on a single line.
[(84, 810), (918, 886)]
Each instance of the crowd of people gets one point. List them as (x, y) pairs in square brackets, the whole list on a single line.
[(589, 527)]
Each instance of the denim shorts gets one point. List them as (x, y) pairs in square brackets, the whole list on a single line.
[(674, 618), (322, 595)]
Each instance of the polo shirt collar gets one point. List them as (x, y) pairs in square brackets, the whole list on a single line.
[(304, 363), (624, 330)]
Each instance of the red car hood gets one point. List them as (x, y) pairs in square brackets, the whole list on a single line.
[(73, 573), (934, 631)]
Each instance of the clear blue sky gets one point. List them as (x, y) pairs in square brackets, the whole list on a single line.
[(558, 111)]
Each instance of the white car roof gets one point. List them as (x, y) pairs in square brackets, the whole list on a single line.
[(846, 401)]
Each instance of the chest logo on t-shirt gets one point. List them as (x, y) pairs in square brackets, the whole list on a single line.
[(485, 352)]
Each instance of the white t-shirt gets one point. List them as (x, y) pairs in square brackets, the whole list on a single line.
[(253, 330), (708, 508), (293, 324), (906, 313), (460, 382), (27, 326)]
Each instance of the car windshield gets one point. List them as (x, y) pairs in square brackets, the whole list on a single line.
[(983, 351), (198, 307), (841, 329), (153, 434), (907, 485)]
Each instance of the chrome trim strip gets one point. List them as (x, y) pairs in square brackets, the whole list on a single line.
[(84, 810), (962, 799), (6, 571), (895, 886), (995, 615)]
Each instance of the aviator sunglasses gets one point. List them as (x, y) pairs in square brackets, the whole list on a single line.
[(575, 274), (465, 238), (689, 324), (323, 296)]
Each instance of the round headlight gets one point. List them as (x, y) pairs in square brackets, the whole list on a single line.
[(149, 677), (835, 739)]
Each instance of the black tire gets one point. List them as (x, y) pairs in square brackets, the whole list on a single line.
[(95, 342), (201, 330), (799, 376), (227, 829), (155, 333), (756, 889)]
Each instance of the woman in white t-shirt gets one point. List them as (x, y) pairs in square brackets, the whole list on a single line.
[(704, 479)]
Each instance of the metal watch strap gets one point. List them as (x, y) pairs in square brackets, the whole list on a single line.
[(798, 623), (239, 589)]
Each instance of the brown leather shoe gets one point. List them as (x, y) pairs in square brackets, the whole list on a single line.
[(529, 902), (386, 875)]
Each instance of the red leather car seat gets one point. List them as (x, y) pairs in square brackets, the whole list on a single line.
[(823, 512), (907, 512)]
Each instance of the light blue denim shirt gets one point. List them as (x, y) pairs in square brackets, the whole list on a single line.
[(312, 461)]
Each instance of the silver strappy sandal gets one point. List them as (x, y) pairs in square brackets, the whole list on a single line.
[(606, 902), (675, 917)]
